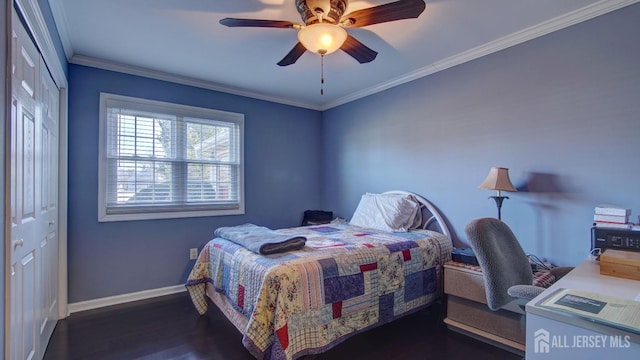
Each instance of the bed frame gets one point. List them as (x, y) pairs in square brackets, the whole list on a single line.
[(430, 215)]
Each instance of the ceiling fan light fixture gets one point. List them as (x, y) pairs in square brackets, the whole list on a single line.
[(322, 38)]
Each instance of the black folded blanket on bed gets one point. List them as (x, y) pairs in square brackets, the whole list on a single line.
[(261, 240)]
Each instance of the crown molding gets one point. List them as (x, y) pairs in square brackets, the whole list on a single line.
[(544, 28), (530, 33), (62, 24), (184, 80)]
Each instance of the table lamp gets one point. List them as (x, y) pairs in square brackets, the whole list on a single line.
[(498, 179)]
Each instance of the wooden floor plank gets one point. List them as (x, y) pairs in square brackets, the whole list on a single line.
[(170, 328)]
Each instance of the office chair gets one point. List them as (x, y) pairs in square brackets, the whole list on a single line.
[(505, 267)]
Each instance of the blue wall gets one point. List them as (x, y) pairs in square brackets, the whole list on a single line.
[(282, 179), (561, 111)]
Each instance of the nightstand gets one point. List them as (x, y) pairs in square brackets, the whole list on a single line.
[(468, 313)]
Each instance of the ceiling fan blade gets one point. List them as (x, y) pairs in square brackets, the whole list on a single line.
[(233, 22), (293, 55), (358, 50), (402, 9)]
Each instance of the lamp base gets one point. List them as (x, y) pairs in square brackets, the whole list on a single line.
[(498, 200)]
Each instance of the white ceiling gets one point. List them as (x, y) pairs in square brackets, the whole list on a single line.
[(181, 40)]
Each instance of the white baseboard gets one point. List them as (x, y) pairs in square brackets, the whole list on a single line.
[(124, 298)]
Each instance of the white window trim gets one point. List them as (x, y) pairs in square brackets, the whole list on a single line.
[(204, 113)]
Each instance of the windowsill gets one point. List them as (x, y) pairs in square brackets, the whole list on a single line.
[(168, 215)]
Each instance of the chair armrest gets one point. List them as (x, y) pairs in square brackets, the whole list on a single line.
[(525, 292), (560, 271)]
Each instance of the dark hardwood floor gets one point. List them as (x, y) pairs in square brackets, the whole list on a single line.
[(170, 328)]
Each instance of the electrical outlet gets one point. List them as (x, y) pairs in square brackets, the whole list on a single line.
[(193, 253)]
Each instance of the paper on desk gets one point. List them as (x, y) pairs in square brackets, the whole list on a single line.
[(622, 313)]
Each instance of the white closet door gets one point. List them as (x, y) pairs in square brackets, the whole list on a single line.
[(33, 176), (49, 100)]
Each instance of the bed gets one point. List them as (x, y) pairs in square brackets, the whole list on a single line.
[(349, 277)]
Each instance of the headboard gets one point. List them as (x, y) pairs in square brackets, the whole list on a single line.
[(430, 215)]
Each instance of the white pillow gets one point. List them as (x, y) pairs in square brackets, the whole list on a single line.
[(386, 212)]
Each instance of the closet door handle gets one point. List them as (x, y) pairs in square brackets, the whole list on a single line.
[(18, 243), (52, 222)]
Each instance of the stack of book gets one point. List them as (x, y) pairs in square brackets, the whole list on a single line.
[(613, 216)]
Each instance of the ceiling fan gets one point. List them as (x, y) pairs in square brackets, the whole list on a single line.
[(323, 30)]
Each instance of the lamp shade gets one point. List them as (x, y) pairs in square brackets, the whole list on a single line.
[(498, 179), (322, 38)]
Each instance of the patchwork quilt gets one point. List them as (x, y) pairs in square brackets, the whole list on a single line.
[(345, 280)]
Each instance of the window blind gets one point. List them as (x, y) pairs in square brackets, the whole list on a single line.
[(163, 158)]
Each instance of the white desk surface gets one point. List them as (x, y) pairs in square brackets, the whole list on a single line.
[(586, 276), (564, 331)]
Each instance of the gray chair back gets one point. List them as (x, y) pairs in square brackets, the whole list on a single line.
[(503, 262)]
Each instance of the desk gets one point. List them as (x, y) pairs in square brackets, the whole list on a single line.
[(561, 336)]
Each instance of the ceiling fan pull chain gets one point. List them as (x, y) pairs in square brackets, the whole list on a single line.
[(321, 74)]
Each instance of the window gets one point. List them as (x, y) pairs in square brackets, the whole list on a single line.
[(161, 160)]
